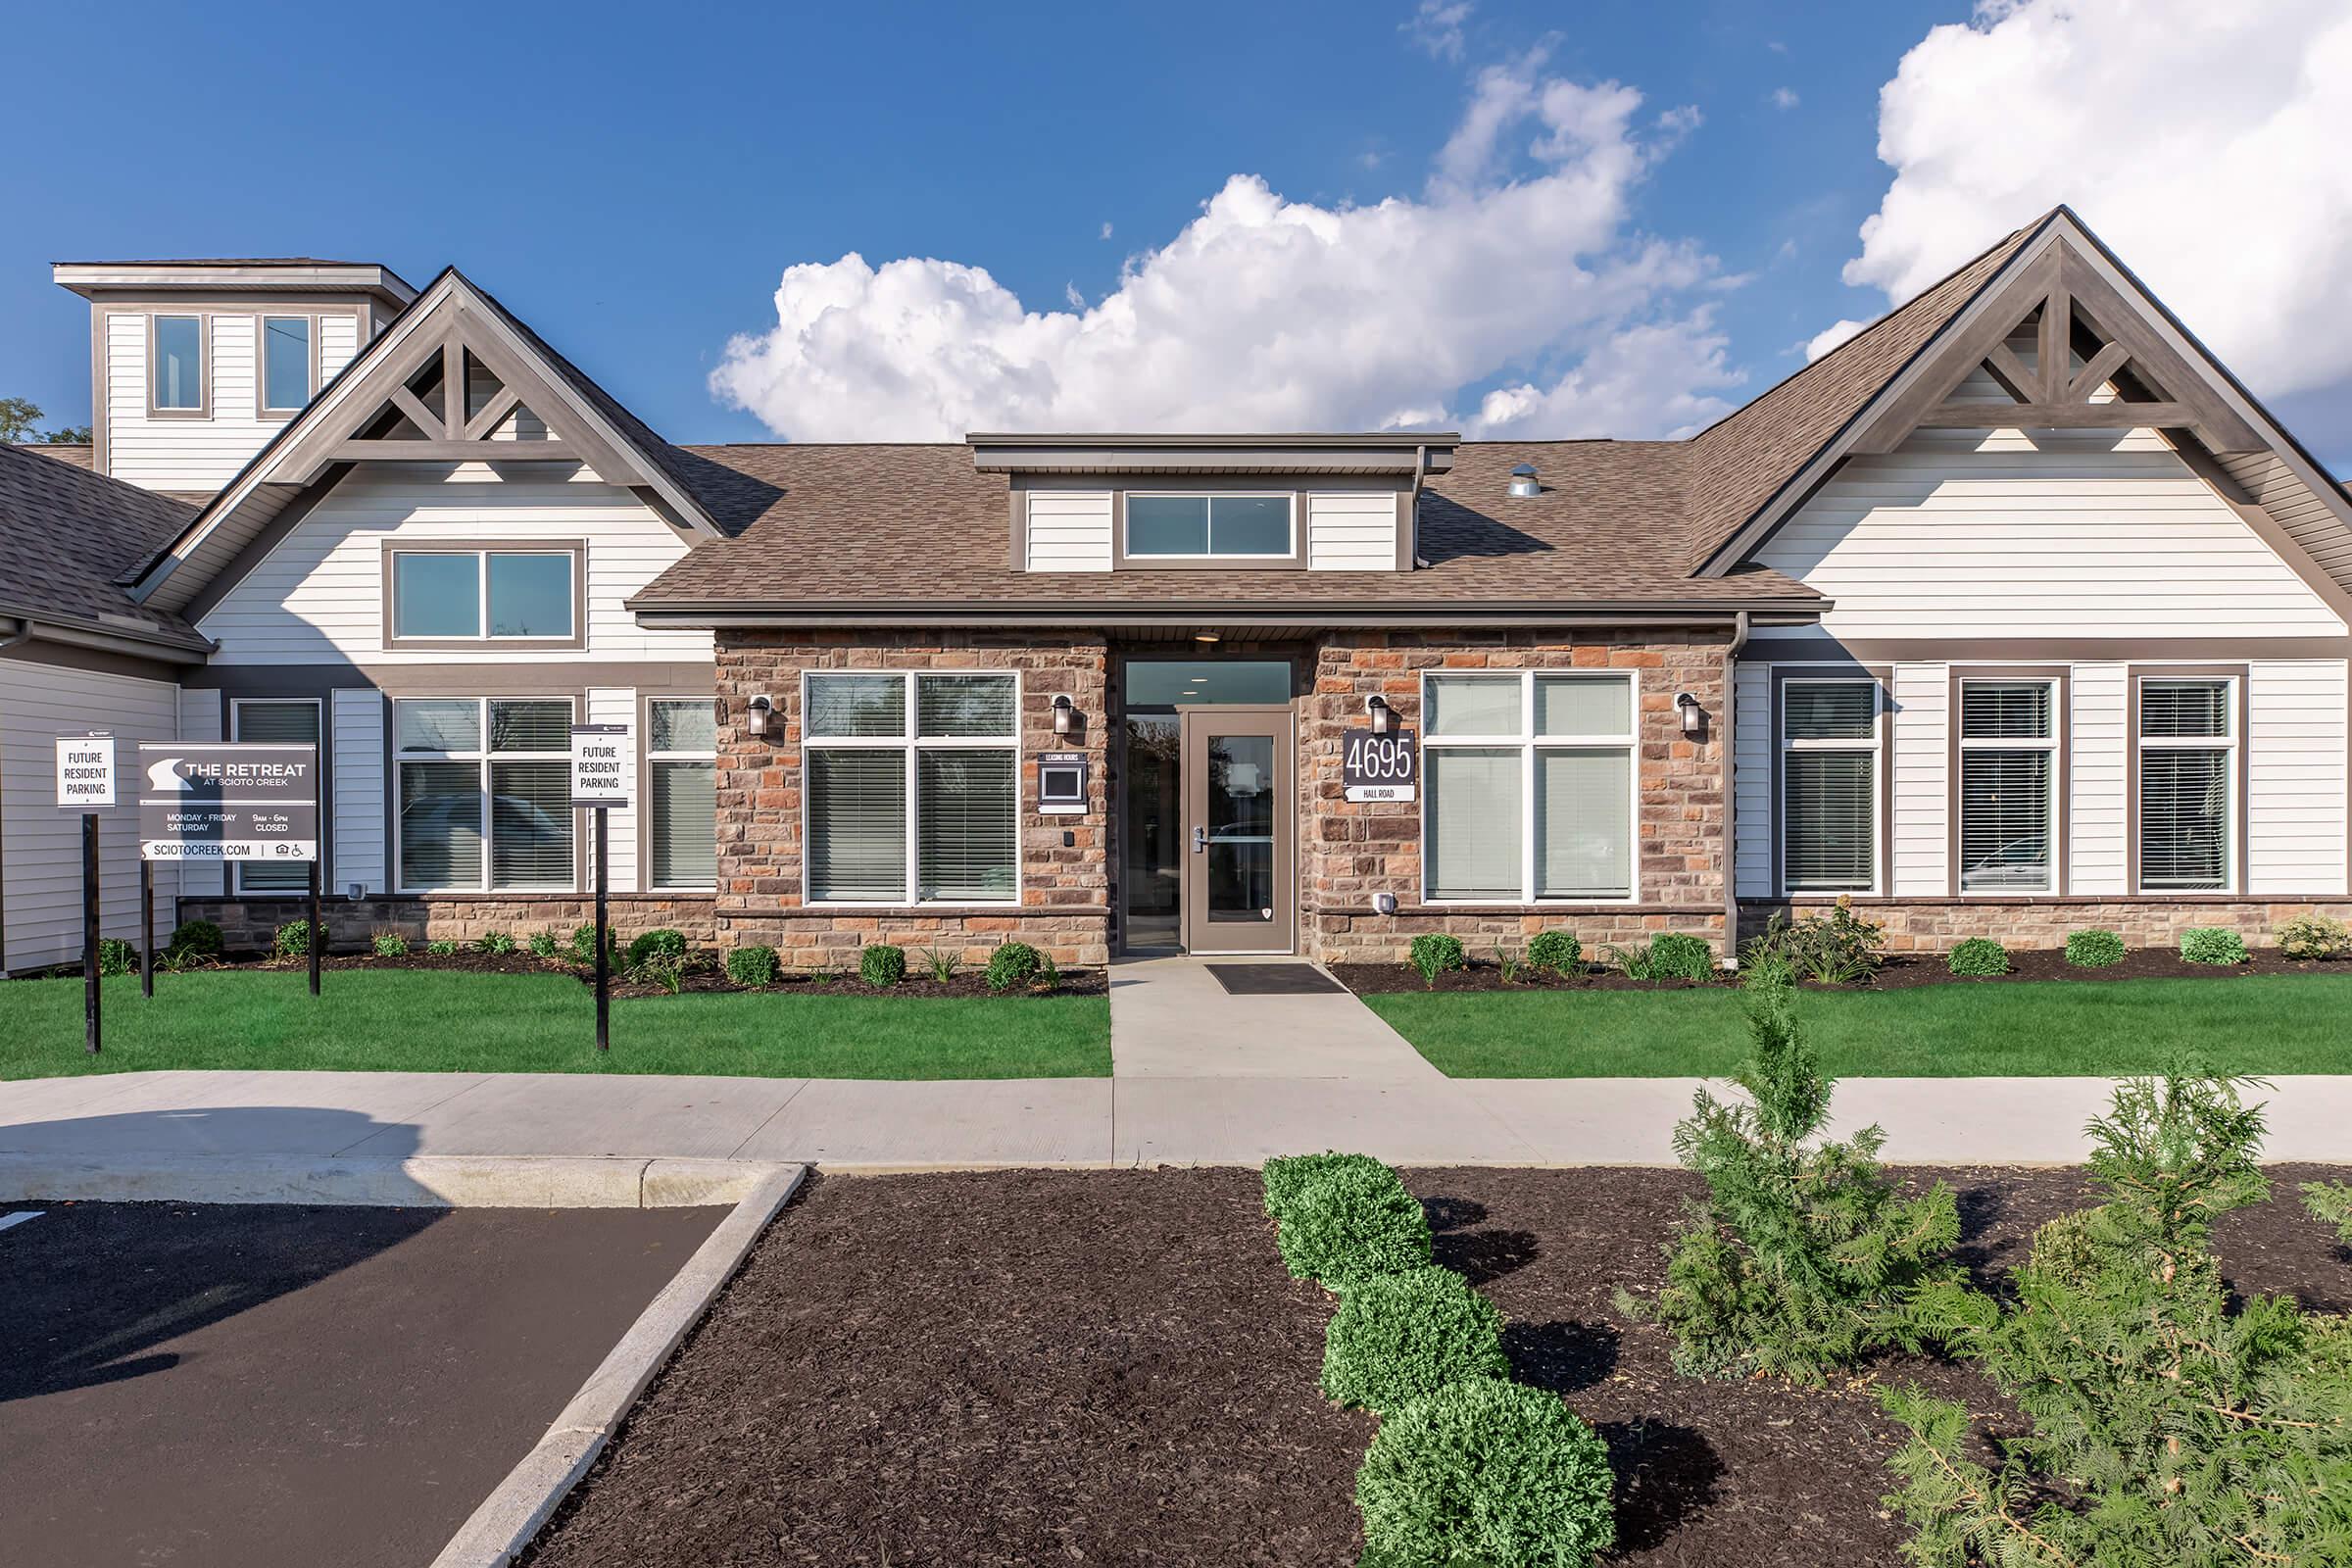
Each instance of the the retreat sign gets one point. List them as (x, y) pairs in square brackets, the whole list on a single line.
[(602, 763), (237, 801)]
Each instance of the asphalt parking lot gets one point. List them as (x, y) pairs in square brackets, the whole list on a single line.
[(188, 1385)]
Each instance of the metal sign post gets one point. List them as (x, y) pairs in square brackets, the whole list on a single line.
[(603, 765), (86, 783), (240, 800), (318, 936), (146, 927)]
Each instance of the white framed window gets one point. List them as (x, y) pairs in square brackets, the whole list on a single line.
[(912, 793), (2188, 736), (483, 794), (289, 362), (2008, 784), (1829, 761), (681, 764), (177, 352), (1529, 787), (290, 720), (486, 594), (1168, 525)]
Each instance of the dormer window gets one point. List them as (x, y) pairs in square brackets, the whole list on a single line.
[(1162, 525), (289, 357), (176, 355)]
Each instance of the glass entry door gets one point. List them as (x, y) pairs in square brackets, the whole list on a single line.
[(1240, 808)]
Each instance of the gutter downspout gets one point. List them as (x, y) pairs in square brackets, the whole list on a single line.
[(1412, 511), (16, 639), (1731, 871)]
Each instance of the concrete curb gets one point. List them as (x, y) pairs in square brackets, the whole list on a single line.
[(507, 1519), (420, 1181)]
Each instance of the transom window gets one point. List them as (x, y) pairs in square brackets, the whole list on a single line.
[(484, 793), (521, 595), (681, 758), (914, 788), (2188, 737), (1829, 785), (286, 362), (176, 349), (1209, 526), (2008, 785), (288, 720), (1529, 787)]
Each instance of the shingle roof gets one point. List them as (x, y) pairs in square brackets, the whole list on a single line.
[(67, 533), (77, 453)]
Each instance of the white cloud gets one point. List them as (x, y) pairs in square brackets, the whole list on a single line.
[(1517, 268), (1829, 337), (1107, 230), (2202, 142), (1437, 27), (1784, 98)]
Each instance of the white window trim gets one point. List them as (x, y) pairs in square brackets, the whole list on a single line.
[(914, 745), (236, 722), (653, 756), (1528, 744), (575, 558), (203, 408), (1288, 498), (481, 757), (260, 362), (2227, 742), (1876, 746), (2052, 813)]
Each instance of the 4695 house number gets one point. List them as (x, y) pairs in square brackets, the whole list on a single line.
[(1377, 767)]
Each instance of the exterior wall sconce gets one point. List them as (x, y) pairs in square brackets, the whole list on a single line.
[(1383, 716), (1693, 716), (1065, 713), (1384, 903), (757, 714)]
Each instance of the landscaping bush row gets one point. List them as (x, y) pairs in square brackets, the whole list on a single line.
[(1468, 1466)]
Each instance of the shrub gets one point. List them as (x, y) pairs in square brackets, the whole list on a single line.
[(1803, 1255), (389, 943), (1508, 966), (1286, 1176), (1836, 948), (2212, 943), (941, 963), (1434, 953), (1397, 1337), (546, 944), (881, 964), (1979, 955), (1486, 1472), (442, 947), (1555, 950), (751, 966), (2314, 936), (1350, 1222), (2330, 1204), (293, 940), (1013, 964), (583, 943), (1049, 974), (2169, 1424), (1670, 955), (116, 956), (496, 942), (193, 942), (658, 947), (2093, 948)]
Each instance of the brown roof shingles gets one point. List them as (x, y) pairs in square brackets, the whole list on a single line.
[(66, 534)]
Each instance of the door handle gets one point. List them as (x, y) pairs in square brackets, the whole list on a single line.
[(1199, 841)]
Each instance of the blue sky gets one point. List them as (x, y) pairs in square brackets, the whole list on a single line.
[(633, 180)]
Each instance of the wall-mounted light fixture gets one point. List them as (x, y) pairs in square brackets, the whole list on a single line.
[(1065, 713), (1384, 903), (1693, 716), (1383, 716), (1204, 637), (354, 890), (756, 716)]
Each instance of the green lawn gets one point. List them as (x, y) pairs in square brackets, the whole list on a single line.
[(427, 1021), (2258, 1024)]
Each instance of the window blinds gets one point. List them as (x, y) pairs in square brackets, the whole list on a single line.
[(1474, 822), (966, 828), (684, 843), (295, 722), (1827, 812), (530, 823), (858, 826), (1583, 824), (2184, 818), (2005, 791)]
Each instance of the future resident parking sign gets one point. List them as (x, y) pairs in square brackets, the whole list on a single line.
[(602, 764), (85, 772)]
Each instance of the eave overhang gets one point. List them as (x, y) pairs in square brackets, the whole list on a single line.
[(1395, 452)]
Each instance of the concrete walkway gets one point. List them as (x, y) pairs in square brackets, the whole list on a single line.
[(1171, 1018), (147, 1120)]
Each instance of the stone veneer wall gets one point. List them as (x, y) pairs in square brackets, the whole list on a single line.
[(1937, 925), (249, 923), (1066, 888), (1349, 852)]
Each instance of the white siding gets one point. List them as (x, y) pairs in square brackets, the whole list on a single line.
[(318, 597), (1351, 530), (200, 720), (2295, 806), (1751, 781), (615, 706), (2097, 721), (1070, 530), (359, 784), (1921, 733), (42, 860), (189, 452), (1977, 534)]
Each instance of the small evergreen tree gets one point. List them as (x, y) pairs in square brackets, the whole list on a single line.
[(1803, 1255), (2165, 1427)]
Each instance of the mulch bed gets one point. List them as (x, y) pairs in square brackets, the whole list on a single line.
[(1900, 971), (1111, 1367), (704, 973)]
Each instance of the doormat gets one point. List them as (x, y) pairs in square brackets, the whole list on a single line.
[(1273, 979)]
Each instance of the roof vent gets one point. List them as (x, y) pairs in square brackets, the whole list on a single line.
[(1523, 480)]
